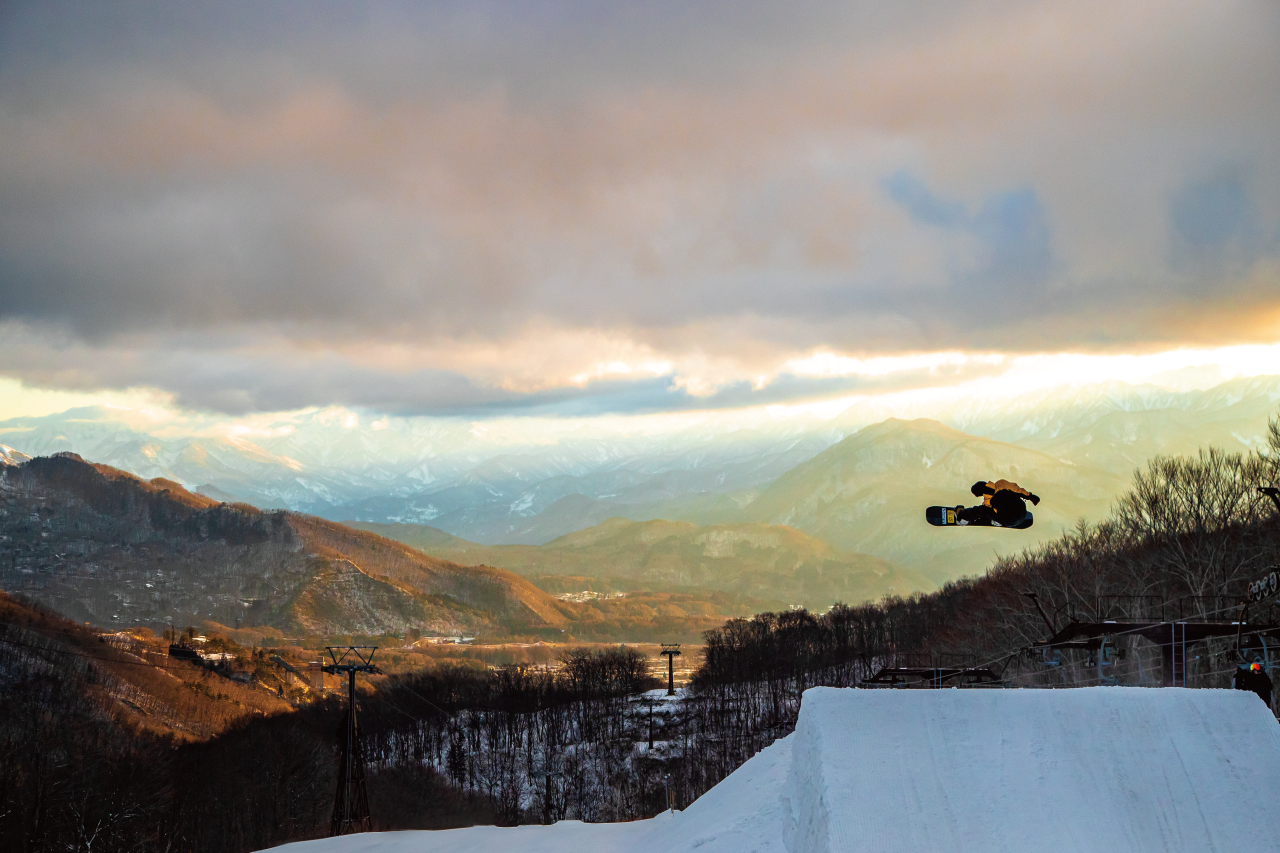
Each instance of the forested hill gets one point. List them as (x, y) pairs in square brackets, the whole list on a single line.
[(774, 564), (1187, 538), (101, 545), (868, 492), (110, 744), (1182, 544)]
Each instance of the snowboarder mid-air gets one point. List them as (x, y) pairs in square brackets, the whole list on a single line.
[(1255, 680), (1002, 503)]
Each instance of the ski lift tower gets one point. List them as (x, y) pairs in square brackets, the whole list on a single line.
[(351, 800), (671, 651), (1271, 492)]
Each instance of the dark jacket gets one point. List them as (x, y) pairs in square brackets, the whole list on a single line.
[(1006, 497), (1255, 682)]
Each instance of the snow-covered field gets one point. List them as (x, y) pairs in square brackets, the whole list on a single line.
[(951, 771)]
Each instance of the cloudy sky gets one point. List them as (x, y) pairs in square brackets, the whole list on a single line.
[(603, 207)]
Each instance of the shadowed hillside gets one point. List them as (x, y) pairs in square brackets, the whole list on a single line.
[(101, 545), (110, 744)]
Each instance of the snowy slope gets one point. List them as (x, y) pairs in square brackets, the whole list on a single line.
[(568, 836), (9, 456), (743, 814), (1093, 770)]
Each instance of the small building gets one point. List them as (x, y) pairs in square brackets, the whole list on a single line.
[(184, 652)]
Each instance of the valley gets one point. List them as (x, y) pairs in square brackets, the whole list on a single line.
[(494, 534), (105, 547), (771, 563)]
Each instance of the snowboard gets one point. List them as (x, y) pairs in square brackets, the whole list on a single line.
[(945, 516)]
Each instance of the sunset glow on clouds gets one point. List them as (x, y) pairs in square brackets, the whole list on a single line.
[(572, 209)]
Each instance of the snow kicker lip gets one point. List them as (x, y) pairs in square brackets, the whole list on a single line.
[(1060, 771)]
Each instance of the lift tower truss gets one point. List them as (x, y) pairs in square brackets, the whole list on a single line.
[(351, 800), (671, 651)]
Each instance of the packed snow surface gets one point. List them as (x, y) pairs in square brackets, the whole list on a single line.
[(1095, 769), (945, 771)]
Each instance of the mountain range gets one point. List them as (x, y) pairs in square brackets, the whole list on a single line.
[(856, 481), (100, 545), (846, 525)]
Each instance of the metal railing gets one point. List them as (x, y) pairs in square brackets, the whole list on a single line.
[(1155, 608)]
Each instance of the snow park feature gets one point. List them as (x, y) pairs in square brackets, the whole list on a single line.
[(1088, 770)]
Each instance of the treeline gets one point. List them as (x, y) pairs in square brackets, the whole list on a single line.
[(73, 776), (587, 742), (540, 746), (453, 747), (102, 751)]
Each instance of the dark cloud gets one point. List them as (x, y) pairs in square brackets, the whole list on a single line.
[(1215, 225), (295, 178), (924, 205), (1009, 260)]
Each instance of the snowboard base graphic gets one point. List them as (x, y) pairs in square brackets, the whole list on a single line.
[(945, 516)]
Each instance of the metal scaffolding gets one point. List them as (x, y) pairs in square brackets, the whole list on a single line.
[(351, 800)]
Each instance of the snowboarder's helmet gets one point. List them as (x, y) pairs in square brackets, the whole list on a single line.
[(978, 488), (1257, 667)]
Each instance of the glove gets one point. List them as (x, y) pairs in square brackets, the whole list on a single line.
[(1035, 500)]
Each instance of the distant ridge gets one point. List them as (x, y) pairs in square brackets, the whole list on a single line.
[(868, 493), (101, 545), (509, 489)]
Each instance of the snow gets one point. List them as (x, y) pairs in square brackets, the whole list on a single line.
[(568, 836), (943, 771), (743, 814), (9, 456), (1094, 769)]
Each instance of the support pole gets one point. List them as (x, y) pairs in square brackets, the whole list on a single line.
[(351, 799), (1173, 656), (670, 651)]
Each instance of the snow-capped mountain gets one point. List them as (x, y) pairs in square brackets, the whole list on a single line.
[(522, 481)]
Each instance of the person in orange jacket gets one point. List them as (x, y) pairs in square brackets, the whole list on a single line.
[(1002, 503)]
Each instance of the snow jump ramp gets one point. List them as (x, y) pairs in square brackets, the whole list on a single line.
[(1091, 770)]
